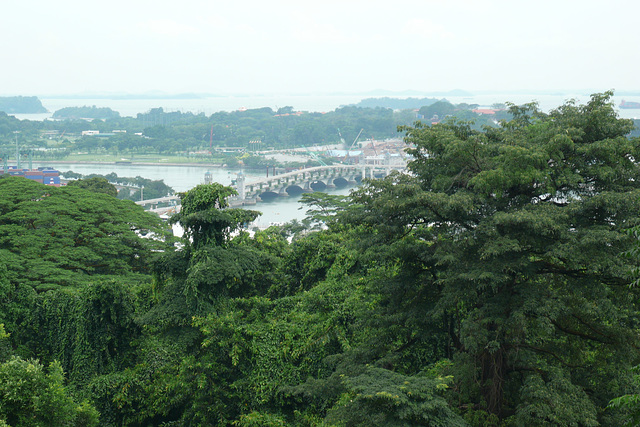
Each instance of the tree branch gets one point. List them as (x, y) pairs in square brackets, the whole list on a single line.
[(549, 352)]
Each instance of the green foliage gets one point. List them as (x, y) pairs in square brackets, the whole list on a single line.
[(206, 218), (487, 287), (85, 112), (308, 262), (290, 356), (186, 133), (16, 305), (95, 184), (9, 124), (53, 237), (521, 230), (205, 197), (378, 397), (33, 396), (629, 403), (322, 206), (90, 330), (260, 419), (5, 349), (153, 189), (212, 264), (554, 400), (177, 380), (439, 109)]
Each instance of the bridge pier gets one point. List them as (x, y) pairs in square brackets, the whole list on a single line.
[(307, 187), (303, 178), (251, 201)]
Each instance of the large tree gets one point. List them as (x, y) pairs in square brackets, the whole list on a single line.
[(215, 263), (67, 236), (95, 184), (514, 237)]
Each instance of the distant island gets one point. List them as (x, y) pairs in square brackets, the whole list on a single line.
[(396, 103), (93, 112), (21, 105)]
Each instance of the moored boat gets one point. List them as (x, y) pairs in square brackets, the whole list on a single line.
[(629, 105)]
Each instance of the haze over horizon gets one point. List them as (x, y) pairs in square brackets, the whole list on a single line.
[(288, 47), (376, 93)]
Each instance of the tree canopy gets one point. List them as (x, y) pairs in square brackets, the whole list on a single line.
[(52, 237), (31, 395), (85, 112), (518, 234), (97, 184), (495, 284)]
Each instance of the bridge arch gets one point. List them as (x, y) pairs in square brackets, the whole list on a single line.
[(318, 185), (294, 190), (305, 180), (340, 182), (268, 196)]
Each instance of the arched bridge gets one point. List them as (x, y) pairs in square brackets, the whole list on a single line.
[(305, 180), (286, 184)]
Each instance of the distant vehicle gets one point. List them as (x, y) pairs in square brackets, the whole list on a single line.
[(629, 105)]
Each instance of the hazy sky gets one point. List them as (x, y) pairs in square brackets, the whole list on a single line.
[(321, 46)]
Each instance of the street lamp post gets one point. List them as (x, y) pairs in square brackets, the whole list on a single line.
[(16, 132)]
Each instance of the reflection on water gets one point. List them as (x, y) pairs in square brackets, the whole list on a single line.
[(285, 209), (180, 178)]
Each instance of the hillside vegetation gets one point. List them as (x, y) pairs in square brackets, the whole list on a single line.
[(494, 285), (21, 105)]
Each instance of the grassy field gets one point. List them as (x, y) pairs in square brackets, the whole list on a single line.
[(144, 158)]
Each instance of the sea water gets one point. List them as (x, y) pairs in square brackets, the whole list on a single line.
[(184, 178)]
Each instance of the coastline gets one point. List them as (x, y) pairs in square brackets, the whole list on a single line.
[(89, 162)]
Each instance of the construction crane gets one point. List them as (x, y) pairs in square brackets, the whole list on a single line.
[(356, 140), (344, 144), (354, 143), (315, 156)]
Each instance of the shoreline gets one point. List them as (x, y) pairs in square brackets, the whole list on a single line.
[(90, 162)]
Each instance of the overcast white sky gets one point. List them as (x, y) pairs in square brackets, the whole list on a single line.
[(321, 46)]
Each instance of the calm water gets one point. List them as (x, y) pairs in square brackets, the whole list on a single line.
[(183, 178)]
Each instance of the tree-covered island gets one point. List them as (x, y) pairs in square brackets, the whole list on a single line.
[(85, 112), (494, 285), (21, 105)]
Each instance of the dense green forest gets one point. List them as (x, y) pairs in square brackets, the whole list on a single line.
[(85, 112), (494, 285), (204, 138), (170, 133)]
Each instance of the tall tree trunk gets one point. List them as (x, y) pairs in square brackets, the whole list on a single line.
[(492, 377)]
